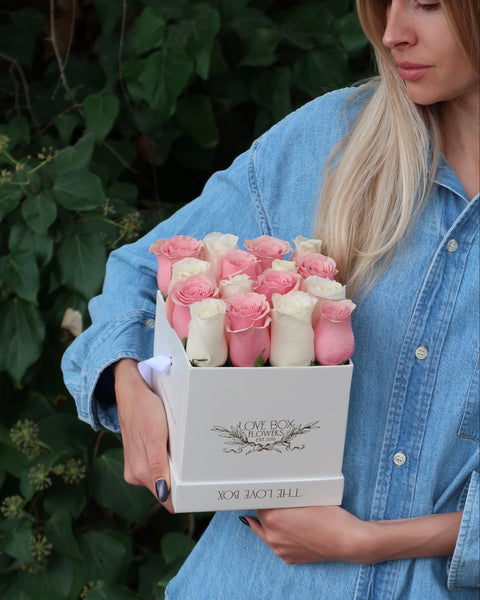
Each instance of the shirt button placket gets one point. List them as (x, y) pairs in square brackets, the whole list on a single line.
[(421, 352), (399, 458)]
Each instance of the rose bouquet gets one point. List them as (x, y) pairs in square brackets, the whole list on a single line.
[(254, 307)]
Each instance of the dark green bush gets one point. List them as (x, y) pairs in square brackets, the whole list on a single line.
[(113, 114)]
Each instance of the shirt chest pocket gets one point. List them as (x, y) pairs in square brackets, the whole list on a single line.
[(470, 424)]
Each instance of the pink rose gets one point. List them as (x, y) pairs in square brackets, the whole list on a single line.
[(171, 250), (237, 262), (334, 342), (267, 248), (277, 282), (316, 264), (248, 327), (183, 293)]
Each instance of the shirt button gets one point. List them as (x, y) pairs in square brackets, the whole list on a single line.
[(149, 323), (452, 245), (421, 352), (399, 459)]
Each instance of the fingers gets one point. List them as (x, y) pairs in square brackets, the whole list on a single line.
[(144, 431)]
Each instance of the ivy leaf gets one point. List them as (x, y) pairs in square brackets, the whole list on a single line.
[(53, 583), (23, 238), (19, 272), (15, 543), (107, 555), (176, 545), (65, 125), (75, 157), (65, 498), (58, 529), (23, 332), (10, 196), (203, 29), (101, 110), (262, 46), (79, 190), (111, 491), (163, 77), (39, 211), (351, 34), (81, 259), (149, 31), (318, 71), (195, 116)]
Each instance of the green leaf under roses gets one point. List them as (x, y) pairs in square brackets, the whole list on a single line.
[(23, 331), (79, 190), (111, 491), (39, 211), (100, 110), (81, 259), (163, 78), (19, 272)]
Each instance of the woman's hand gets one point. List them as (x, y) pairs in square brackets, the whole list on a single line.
[(144, 429), (330, 533)]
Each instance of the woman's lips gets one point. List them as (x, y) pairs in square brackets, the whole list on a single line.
[(411, 71)]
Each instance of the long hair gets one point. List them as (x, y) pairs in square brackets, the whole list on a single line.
[(377, 180)]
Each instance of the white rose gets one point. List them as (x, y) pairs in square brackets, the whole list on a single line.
[(292, 339), (215, 245), (188, 267), (284, 265), (237, 284), (305, 245), (206, 341), (321, 287)]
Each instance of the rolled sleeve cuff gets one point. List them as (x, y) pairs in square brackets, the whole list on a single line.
[(464, 568), (86, 364)]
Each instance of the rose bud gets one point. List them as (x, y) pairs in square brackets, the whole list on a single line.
[(237, 284), (215, 245), (188, 267), (305, 245), (181, 295), (267, 248), (316, 264), (291, 330), (322, 289), (284, 265), (334, 342), (237, 262), (172, 250), (206, 342), (277, 282), (248, 323)]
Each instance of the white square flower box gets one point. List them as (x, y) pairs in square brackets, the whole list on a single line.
[(246, 438)]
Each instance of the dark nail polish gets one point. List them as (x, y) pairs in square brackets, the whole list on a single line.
[(161, 489), (244, 521)]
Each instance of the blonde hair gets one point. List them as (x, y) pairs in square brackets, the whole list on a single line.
[(377, 180)]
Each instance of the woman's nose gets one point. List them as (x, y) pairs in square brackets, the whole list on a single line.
[(399, 27)]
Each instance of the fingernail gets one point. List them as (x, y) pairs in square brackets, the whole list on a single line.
[(161, 489), (244, 521)]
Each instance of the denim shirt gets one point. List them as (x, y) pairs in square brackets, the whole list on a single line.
[(413, 423)]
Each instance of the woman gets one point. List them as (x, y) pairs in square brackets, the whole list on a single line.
[(397, 162)]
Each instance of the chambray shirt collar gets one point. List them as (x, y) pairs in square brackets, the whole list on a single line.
[(446, 177)]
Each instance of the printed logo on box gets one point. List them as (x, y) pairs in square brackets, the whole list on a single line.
[(277, 435)]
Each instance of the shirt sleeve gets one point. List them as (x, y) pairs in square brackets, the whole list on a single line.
[(464, 568), (123, 315)]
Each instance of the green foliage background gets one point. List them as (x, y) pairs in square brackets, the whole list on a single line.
[(112, 114)]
